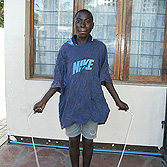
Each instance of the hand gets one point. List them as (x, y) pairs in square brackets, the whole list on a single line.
[(38, 107), (122, 106)]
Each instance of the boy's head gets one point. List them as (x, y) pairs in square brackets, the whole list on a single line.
[(84, 10), (83, 23)]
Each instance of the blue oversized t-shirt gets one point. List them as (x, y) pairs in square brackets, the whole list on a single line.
[(79, 72)]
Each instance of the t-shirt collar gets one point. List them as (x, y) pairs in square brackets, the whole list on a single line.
[(74, 42)]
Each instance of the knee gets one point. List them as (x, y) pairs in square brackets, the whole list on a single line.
[(87, 143), (74, 141)]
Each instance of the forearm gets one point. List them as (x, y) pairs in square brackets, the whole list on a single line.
[(112, 91), (39, 107), (114, 94), (49, 94)]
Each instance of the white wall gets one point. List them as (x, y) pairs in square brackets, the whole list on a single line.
[(146, 102), (2, 76)]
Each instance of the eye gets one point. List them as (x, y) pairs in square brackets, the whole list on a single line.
[(77, 21), (88, 21)]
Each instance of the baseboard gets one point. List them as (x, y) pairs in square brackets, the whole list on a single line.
[(101, 146)]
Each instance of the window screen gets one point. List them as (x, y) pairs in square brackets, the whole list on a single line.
[(53, 20), (105, 14), (147, 37)]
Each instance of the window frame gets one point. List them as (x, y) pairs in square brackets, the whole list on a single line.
[(122, 45)]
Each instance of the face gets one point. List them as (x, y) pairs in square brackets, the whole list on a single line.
[(83, 24)]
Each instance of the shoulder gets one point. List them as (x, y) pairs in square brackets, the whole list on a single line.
[(64, 46), (99, 43), (100, 46)]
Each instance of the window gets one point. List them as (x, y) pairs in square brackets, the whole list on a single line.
[(52, 27), (134, 32), (105, 18), (147, 38)]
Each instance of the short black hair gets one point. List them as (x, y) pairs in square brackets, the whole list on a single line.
[(84, 10)]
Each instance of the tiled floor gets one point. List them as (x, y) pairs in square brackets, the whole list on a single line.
[(13, 155), (3, 131)]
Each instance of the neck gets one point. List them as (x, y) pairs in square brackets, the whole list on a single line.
[(81, 40)]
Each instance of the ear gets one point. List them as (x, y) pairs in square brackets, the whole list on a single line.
[(92, 25)]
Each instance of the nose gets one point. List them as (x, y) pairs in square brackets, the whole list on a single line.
[(83, 24)]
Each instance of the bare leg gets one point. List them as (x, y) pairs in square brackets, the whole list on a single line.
[(87, 151), (74, 150)]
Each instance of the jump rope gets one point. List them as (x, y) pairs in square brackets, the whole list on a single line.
[(123, 151)]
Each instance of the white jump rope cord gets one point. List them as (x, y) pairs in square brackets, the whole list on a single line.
[(126, 138), (36, 157)]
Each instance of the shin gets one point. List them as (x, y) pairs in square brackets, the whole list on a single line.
[(87, 151), (74, 150)]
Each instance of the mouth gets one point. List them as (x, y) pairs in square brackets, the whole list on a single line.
[(82, 31)]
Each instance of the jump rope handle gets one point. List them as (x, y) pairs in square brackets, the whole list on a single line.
[(37, 110)]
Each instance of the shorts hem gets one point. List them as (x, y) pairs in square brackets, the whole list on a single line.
[(89, 138), (73, 135)]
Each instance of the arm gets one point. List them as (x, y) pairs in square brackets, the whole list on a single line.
[(38, 107), (113, 93)]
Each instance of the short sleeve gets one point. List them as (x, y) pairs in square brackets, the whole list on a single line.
[(59, 73), (104, 71)]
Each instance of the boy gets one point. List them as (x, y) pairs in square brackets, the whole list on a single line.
[(81, 68)]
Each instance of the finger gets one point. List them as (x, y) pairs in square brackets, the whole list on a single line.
[(43, 106), (120, 108), (126, 108), (38, 110), (34, 108)]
